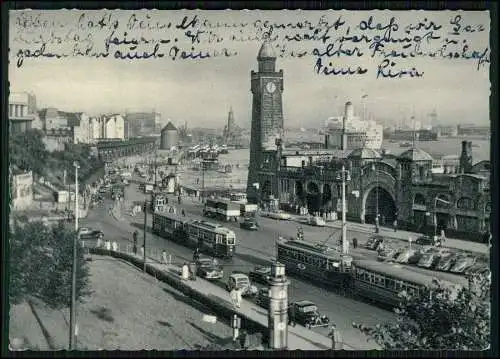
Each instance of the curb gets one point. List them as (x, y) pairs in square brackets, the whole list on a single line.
[(214, 302)]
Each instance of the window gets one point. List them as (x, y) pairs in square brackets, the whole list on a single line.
[(466, 203)]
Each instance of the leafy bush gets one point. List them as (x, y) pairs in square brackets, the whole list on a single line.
[(27, 151), (441, 319), (41, 263)]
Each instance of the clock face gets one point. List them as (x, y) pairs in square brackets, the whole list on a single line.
[(270, 87)]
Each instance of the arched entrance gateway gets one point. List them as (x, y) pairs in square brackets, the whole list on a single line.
[(313, 197), (299, 192), (379, 200)]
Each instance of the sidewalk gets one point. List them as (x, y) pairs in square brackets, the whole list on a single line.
[(404, 235), (299, 338)]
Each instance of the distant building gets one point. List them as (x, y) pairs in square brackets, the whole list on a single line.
[(113, 127), (232, 132), (22, 112), (21, 189), (140, 123), (445, 131), (473, 130), (169, 137), (358, 133)]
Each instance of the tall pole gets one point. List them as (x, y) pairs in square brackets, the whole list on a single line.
[(202, 180), (145, 228), (345, 247), (72, 318), (435, 216)]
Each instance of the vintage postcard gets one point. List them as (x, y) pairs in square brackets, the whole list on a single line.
[(249, 180)]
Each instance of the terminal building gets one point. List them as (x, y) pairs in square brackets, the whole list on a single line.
[(403, 187)]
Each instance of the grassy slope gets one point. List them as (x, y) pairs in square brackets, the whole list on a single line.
[(128, 310)]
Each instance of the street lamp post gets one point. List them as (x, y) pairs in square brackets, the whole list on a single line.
[(72, 319), (345, 177), (377, 216)]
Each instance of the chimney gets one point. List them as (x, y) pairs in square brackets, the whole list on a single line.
[(466, 157)]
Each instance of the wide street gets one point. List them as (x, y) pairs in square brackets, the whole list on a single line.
[(252, 248)]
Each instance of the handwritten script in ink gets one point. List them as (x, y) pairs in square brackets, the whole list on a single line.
[(385, 45)]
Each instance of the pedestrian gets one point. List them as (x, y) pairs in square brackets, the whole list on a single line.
[(114, 245), (377, 224), (291, 320), (185, 272), (196, 254), (239, 297), (108, 245), (355, 243), (142, 251), (164, 257), (192, 270), (335, 336), (234, 297), (183, 213), (395, 225), (99, 243)]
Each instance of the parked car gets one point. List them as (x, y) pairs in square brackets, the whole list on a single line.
[(415, 257), (446, 261), (404, 256), (277, 215), (386, 254), (464, 262), (428, 260), (262, 299), (306, 313), (373, 242), (206, 268), (427, 241), (479, 267), (241, 281), (316, 221), (260, 274), (88, 233), (249, 224)]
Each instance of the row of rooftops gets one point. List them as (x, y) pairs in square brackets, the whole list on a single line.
[(412, 154)]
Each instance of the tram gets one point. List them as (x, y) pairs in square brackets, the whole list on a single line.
[(382, 282), (223, 209), (316, 262), (209, 237)]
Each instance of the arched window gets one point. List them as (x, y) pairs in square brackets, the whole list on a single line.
[(421, 172), (442, 201), (419, 199), (487, 207), (466, 203)]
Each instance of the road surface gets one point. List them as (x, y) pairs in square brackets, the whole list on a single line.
[(253, 248)]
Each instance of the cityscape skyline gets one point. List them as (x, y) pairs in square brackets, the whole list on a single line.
[(171, 87)]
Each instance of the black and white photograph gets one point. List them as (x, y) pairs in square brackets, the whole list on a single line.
[(208, 180)]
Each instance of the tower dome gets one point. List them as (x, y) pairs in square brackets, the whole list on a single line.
[(266, 51)]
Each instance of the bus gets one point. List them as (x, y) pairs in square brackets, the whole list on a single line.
[(223, 209), (209, 237), (316, 262), (382, 282)]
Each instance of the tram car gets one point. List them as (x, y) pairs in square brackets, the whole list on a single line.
[(210, 238), (318, 263), (382, 282)]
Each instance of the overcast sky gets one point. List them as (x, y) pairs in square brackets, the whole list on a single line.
[(202, 91)]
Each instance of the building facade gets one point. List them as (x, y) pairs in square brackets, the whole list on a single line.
[(402, 188), (22, 112), (267, 112), (21, 189), (140, 123)]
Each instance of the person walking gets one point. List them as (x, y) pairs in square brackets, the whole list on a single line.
[(355, 243), (239, 297), (192, 270), (291, 320), (395, 225), (164, 259), (185, 272), (196, 254), (183, 213), (335, 337), (234, 297)]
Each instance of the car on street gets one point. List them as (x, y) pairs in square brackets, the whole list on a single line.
[(262, 298), (405, 256), (316, 221), (250, 224), (425, 241), (446, 262), (415, 257), (431, 258), (306, 313), (240, 281), (88, 233), (479, 267), (207, 269), (464, 262), (260, 274), (280, 215), (373, 242), (386, 254)]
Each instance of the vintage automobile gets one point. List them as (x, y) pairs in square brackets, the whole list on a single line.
[(306, 313), (427, 241), (316, 221), (405, 256), (240, 281), (206, 268), (262, 299), (373, 242), (479, 267), (250, 224), (88, 233), (277, 215), (446, 261), (260, 274), (464, 262)]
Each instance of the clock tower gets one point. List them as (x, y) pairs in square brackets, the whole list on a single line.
[(267, 112)]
